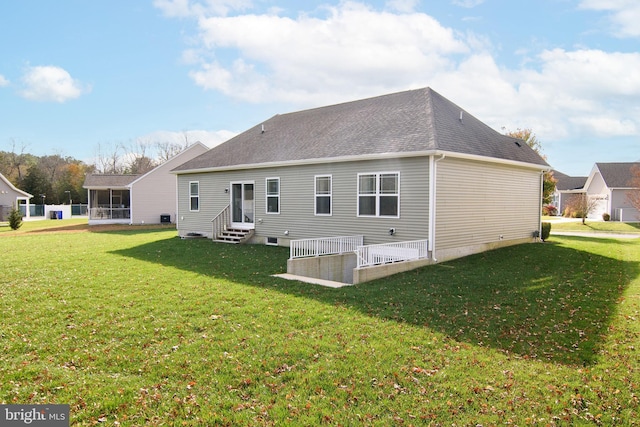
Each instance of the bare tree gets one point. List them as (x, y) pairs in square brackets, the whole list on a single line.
[(581, 205), (137, 160), (17, 162), (167, 150), (109, 159)]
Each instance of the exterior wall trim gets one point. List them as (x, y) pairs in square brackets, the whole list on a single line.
[(384, 156)]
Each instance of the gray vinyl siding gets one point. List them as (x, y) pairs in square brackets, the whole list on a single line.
[(477, 203), (211, 201), (297, 201), (154, 194)]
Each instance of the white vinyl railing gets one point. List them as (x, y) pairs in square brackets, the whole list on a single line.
[(221, 221), (391, 252), (324, 246)]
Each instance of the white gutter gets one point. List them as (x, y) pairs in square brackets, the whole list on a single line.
[(377, 156), (431, 243), (541, 202)]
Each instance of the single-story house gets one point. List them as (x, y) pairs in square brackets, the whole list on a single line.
[(566, 187), (401, 167), (10, 198), (609, 184), (149, 198)]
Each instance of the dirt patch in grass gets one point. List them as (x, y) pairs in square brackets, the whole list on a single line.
[(85, 228)]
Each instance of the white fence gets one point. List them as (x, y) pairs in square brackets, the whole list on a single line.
[(391, 252), (324, 246)]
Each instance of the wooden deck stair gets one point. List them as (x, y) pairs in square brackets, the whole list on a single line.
[(234, 235)]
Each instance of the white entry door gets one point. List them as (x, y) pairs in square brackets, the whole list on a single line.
[(242, 205)]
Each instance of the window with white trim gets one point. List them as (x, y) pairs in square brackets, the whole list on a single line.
[(273, 195), (379, 194), (194, 196), (323, 194)]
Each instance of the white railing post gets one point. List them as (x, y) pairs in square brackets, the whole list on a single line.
[(392, 252), (323, 246), (220, 222)]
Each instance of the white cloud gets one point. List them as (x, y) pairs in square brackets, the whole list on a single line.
[(402, 5), (624, 15), (309, 58), (562, 94), (208, 138), (467, 3), (3, 81), (186, 8), (353, 50), (50, 83), (581, 93)]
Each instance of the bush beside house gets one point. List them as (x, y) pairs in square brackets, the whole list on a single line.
[(546, 231)]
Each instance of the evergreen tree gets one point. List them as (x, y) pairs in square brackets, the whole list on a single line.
[(15, 219)]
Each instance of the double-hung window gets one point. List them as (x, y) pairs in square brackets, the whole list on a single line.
[(323, 194), (379, 194), (273, 195), (194, 196)]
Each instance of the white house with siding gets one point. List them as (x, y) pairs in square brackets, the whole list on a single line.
[(10, 197), (566, 188), (609, 184), (137, 199), (399, 167)]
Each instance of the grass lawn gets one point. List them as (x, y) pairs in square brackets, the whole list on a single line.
[(596, 226), (136, 327)]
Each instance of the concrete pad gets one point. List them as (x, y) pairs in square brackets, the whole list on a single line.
[(313, 280)]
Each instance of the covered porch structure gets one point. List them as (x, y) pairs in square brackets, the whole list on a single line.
[(109, 198)]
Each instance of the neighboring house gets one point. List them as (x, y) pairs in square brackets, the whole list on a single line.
[(609, 184), (566, 188), (399, 167), (10, 198), (137, 199)]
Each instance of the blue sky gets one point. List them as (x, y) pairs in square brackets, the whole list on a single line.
[(77, 76)]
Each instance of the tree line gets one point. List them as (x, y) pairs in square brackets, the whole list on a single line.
[(58, 179)]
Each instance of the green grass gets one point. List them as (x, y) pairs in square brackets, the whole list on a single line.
[(28, 226), (138, 327), (596, 226)]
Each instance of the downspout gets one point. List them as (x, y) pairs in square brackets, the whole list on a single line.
[(540, 206), (431, 244)]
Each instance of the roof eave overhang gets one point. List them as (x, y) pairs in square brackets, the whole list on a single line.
[(112, 187), (359, 158)]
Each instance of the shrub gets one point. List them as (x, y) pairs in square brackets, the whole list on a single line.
[(606, 216), (546, 231), (549, 210), (15, 219)]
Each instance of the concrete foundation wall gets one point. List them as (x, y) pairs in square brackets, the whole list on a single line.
[(366, 274), (337, 268), (449, 254)]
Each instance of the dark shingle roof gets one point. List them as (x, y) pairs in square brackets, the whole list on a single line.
[(566, 182), (108, 181), (418, 120), (617, 175)]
